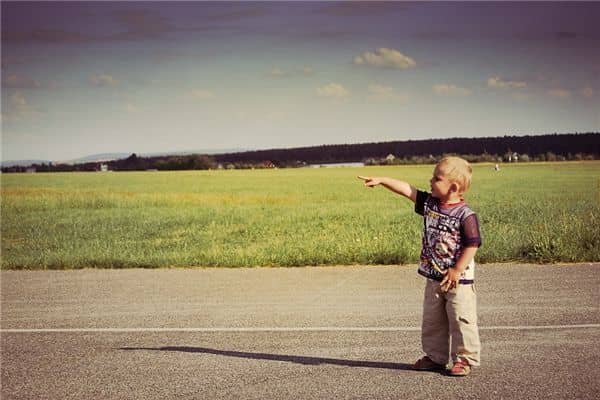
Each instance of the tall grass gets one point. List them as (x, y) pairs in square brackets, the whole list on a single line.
[(528, 212)]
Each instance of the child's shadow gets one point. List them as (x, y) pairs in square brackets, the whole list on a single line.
[(304, 360)]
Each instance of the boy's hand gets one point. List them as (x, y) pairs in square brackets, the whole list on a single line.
[(453, 274), (450, 280), (400, 187), (370, 181)]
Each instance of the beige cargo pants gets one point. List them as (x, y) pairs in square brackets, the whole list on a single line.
[(450, 324)]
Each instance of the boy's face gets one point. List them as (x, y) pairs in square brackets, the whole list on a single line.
[(441, 187)]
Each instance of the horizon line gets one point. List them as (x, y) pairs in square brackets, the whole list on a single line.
[(235, 151)]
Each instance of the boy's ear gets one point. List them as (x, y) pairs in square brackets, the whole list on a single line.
[(454, 187)]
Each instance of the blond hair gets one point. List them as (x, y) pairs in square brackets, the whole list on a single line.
[(457, 170)]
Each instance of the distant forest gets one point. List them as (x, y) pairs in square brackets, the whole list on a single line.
[(553, 147), (565, 145)]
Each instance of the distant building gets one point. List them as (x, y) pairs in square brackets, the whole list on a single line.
[(103, 167), (30, 170), (513, 157)]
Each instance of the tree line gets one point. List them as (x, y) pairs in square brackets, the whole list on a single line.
[(550, 147), (586, 144)]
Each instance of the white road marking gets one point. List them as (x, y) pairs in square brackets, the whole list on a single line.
[(286, 329)]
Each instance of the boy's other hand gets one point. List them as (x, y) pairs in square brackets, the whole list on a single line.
[(370, 181), (450, 280)]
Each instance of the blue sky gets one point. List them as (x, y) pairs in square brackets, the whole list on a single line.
[(82, 78)]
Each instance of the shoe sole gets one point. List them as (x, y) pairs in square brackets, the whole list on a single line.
[(437, 368), (459, 374)]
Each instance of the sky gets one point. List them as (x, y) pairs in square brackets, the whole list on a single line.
[(81, 78)]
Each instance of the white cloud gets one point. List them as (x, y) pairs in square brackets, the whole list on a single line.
[(18, 101), (280, 73), (559, 93), (445, 89), (385, 58), (587, 92), (102, 80), (307, 71), (385, 93), (18, 108), (202, 94), (16, 81), (496, 82), (277, 72), (333, 90), (131, 108)]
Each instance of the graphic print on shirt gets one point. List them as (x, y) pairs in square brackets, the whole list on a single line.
[(442, 241)]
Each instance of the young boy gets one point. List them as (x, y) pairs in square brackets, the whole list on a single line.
[(450, 240)]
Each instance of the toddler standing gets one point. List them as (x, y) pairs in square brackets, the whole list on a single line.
[(451, 239)]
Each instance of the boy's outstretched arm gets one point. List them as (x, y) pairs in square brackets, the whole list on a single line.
[(403, 188)]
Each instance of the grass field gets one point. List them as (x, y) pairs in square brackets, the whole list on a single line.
[(289, 217)]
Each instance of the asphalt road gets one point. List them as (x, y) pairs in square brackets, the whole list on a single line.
[(300, 333)]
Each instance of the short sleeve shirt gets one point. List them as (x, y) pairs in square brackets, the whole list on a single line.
[(447, 231)]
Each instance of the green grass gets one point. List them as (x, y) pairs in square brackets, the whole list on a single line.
[(290, 217)]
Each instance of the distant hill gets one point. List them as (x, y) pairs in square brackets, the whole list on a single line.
[(106, 157), (98, 158), (88, 159), (22, 163)]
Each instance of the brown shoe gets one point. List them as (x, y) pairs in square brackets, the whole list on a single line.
[(426, 364), (460, 368)]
